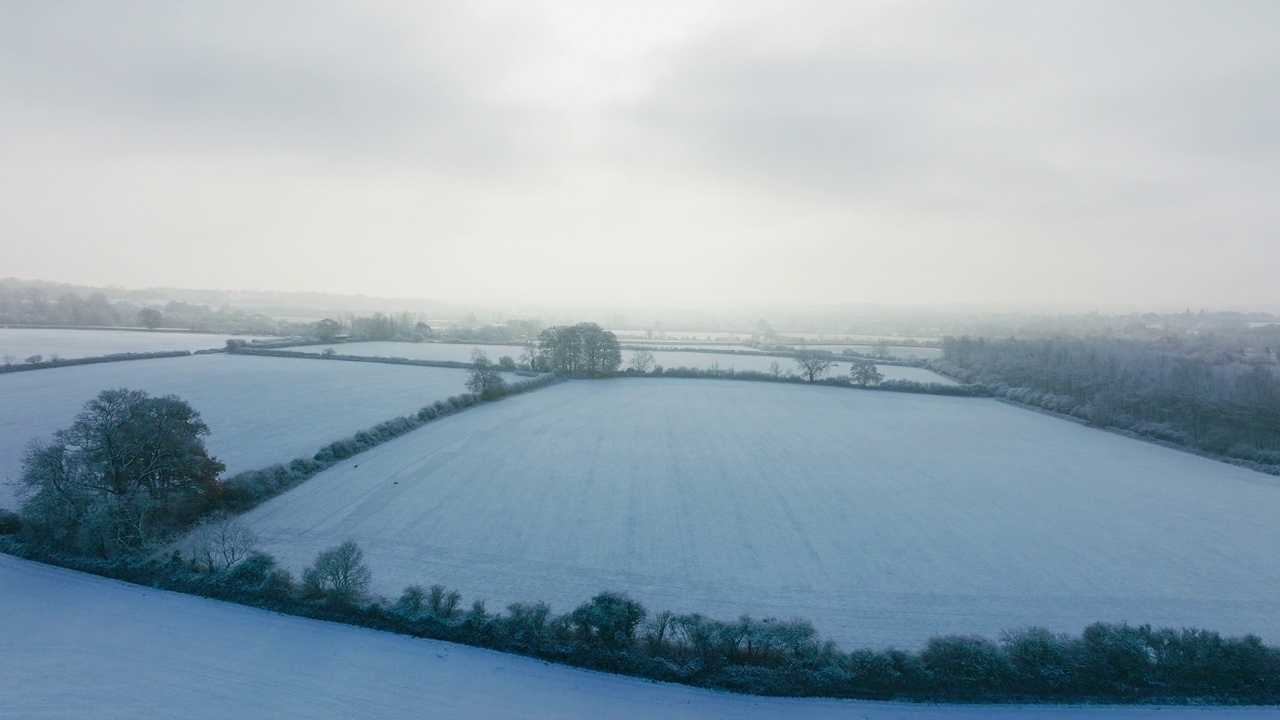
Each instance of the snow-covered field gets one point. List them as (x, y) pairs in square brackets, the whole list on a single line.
[(882, 517), (261, 410), (18, 344), (452, 352), (762, 363), (74, 646), (666, 358), (906, 352)]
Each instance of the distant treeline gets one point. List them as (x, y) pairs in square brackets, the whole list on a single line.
[(1202, 395), (907, 386), (410, 327), (614, 633), (32, 306)]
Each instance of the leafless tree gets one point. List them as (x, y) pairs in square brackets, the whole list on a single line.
[(812, 364), (222, 540), (338, 574), (642, 361)]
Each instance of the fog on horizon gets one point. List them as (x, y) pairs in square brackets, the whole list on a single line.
[(649, 154)]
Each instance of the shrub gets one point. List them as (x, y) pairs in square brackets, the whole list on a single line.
[(1043, 664), (966, 667), (10, 522), (338, 575), (609, 619), (260, 576)]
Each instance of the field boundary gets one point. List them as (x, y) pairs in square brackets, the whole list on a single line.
[(1107, 663), (246, 490), (115, 357), (350, 358)]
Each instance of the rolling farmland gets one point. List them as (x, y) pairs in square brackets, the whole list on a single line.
[(883, 518), (77, 646), (261, 410), (458, 352)]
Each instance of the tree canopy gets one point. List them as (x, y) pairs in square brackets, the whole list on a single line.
[(582, 349), (812, 364), (484, 380), (130, 468)]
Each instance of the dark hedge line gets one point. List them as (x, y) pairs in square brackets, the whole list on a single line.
[(347, 358), (907, 386), (246, 490), (67, 362), (613, 633)]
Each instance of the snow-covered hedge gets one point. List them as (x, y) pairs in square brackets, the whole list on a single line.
[(612, 632)]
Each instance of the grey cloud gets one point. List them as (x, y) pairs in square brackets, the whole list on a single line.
[(316, 78), (1030, 108)]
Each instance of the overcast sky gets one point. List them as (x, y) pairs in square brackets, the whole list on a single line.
[(1082, 154)]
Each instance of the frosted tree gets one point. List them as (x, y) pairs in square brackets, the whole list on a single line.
[(864, 373), (812, 365), (338, 574)]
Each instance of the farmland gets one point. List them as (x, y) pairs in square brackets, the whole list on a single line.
[(884, 518), (458, 352), (78, 646), (260, 410), (18, 344)]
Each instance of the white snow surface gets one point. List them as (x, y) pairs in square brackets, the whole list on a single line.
[(452, 352), (884, 518), (761, 363), (22, 343), (260, 410), (458, 352), (75, 646)]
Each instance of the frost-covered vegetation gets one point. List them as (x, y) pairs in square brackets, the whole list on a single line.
[(612, 632), (1200, 393), (80, 646)]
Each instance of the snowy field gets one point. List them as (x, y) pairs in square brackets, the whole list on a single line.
[(761, 363), (666, 358), (18, 344), (261, 410), (906, 352), (882, 517), (76, 646), (452, 352)]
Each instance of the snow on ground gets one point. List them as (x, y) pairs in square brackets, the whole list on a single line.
[(18, 344), (458, 352), (908, 352), (261, 410), (884, 518), (76, 646), (762, 363), (452, 352)]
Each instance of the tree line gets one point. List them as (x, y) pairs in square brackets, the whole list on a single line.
[(614, 633), (1200, 394), (33, 306)]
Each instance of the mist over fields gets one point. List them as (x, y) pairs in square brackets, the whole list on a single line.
[(871, 354)]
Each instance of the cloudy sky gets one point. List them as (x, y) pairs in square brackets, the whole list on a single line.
[(1081, 154)]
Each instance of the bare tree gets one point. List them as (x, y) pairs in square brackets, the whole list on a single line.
[(338, 574), (812, 364), (642, 361), (775, 369), (222, 540)]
